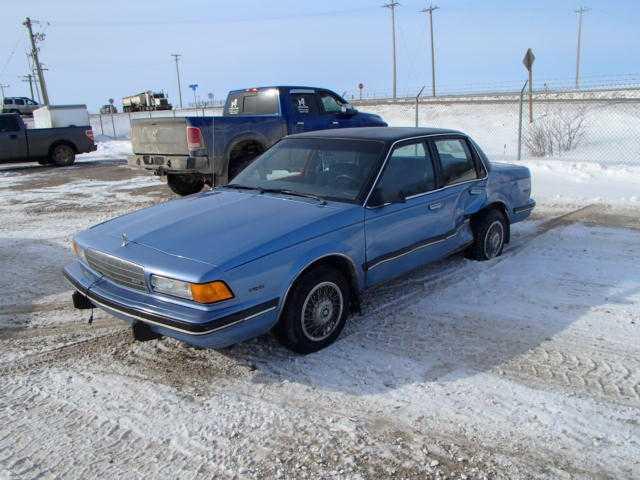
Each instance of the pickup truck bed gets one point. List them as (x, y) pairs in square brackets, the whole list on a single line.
[(57, 146)]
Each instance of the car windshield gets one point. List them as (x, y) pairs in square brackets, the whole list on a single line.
[(333, 169)]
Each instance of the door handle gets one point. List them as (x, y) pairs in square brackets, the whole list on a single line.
[(335, 123), (299, 123), (435, 206), (475, 191)]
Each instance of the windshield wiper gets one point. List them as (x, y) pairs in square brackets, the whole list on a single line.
[(293, 193)]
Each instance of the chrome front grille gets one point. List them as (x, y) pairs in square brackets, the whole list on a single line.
[(117, 270)]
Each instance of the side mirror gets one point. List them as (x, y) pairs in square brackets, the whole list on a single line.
[(379, 198), (348, 109), (376, 199)]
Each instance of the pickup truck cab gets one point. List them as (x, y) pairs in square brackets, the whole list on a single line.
[(192, 151), (56, 146)]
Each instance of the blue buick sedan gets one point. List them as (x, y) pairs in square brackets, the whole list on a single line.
[(289, 245)]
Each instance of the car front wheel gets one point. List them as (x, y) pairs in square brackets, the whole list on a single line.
[(315, 312), (489, 235)]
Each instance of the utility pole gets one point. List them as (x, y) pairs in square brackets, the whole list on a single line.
[(34, 52), (29, 78), (392, 6), (430, 11), (2, 87), (176, 57), (580, 12)]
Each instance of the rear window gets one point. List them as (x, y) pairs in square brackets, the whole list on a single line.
[(262, 102), (9, 123)]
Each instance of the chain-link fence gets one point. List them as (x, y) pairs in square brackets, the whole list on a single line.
[(602, 126)]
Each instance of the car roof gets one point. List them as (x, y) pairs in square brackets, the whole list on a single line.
[(281, 87), (385, 134)]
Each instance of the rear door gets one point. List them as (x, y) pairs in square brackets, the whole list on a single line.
[(13, 140), (406, 231), (462, 185)]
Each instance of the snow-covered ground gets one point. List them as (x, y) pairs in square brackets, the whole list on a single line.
[(524, 367)]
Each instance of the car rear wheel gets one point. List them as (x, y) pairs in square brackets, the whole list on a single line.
[(489, 235), (185, 184), (316, 311), (63, 155)]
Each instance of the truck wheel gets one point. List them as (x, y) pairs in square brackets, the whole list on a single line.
[(489, 235), (185, 184), (63, 155), (316, 311)]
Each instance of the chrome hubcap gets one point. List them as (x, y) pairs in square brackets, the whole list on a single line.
[(321, 311), (493, 240)]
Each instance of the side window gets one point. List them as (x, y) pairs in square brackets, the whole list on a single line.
[(19, 101), (456, 161), (304, 104), (409, 171), (31, 102), (330, 103), (9, 123), (7, 101)]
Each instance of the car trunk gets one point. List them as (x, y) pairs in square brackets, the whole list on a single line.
[(165, 136)]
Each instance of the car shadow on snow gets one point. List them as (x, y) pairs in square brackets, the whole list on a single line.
[(31, 270), (457, 318)]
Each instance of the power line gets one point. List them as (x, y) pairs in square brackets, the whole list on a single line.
[(430, 11), (392, 6), (580, 12), (13, 51)]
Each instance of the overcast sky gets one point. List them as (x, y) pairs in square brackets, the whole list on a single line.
[(96, 50)]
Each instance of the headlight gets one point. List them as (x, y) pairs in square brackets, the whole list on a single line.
[(211, 292)]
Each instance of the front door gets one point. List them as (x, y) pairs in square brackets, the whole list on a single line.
[(12, 139), (404, 220)]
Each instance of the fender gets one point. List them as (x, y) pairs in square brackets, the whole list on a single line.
[(242, 137)]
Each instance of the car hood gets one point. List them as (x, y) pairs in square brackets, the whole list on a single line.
[(226, 228)]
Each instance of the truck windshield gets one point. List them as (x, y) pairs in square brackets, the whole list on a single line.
[(333, 169)]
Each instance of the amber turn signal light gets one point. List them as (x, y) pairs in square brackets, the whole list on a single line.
[(210, 292)]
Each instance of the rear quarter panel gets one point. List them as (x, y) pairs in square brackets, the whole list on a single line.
[(220, 134), (40, 140), (509, 185)]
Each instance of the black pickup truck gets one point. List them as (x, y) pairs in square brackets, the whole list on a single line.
[(56, 146), (192, 151)]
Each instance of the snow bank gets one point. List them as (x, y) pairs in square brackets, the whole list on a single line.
[(107, 150)]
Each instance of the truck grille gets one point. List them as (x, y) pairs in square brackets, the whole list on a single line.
[(119, 271)]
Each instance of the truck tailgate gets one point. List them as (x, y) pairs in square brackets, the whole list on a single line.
[(166, 136)]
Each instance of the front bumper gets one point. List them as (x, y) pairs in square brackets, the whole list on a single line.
[(196, 325), (163, 164)]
